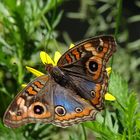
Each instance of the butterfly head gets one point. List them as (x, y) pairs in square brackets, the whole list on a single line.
[(48, 67)]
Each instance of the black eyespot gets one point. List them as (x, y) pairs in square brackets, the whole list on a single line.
[(93, 93), (93, 66), (38, 109), (78, 109), (19, 113), (99, 48), (59, 110)]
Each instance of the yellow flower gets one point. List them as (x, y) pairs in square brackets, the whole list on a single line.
[(108, 70), (34, 71), (109, 97), (46, 59)]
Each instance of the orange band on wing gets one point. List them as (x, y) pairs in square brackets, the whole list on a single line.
[(73, 115), (68, 58), (38, 84), (30, 90), (76, 54), (96, 100)]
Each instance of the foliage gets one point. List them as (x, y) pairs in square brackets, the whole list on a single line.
[(27, 27)]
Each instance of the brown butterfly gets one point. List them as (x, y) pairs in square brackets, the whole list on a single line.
[(72, 92)]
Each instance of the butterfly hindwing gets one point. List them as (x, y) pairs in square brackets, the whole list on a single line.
[(93, 92), (70, 108), (32, 104)]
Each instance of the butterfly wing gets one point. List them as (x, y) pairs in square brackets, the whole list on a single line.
[(88, 58), (86, 66), (70, 108), (32, 104), (45, 101), (93, 92)]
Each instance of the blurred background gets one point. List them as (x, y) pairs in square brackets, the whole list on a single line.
[(28, 27)]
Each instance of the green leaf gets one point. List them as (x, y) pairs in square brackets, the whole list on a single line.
[(119, 88)]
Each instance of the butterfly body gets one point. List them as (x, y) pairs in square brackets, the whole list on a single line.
[(58, 76), (72, 92)]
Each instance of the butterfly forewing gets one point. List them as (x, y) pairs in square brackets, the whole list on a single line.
[(88, 58), (32, 104)]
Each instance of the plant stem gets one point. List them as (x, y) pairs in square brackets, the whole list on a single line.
[(84, 132), (118, 19), (20, 67)]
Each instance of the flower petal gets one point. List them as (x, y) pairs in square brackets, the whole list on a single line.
[(46, 59), (34, 71), (109, 97), (108, 70), (23, 85), (71, 46), (57, 55)]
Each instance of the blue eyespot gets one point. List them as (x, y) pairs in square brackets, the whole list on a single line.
[(93, 93), (60, 111), (78, 109)]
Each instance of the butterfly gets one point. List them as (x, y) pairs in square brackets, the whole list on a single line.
[(71, 92)]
